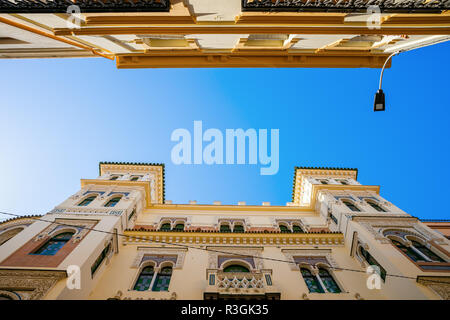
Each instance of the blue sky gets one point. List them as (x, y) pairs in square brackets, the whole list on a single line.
[(60, 117)]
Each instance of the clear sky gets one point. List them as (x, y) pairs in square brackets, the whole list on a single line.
[(60, 117)]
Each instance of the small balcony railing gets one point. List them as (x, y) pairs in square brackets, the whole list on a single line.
[(240, 283)]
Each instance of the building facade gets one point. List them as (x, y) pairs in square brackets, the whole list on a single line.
[(231, 33), (118, 238)]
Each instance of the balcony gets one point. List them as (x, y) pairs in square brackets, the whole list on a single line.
[(240, 285)]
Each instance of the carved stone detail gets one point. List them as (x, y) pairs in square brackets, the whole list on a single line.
[(377, 226), (291, 253), (213, 257), (82, 228), (36, 282), (440, 285), (180, 253)]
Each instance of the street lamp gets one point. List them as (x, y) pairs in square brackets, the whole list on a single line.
[(379, 103)]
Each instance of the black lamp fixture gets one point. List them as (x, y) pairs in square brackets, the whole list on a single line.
[(380, 102)]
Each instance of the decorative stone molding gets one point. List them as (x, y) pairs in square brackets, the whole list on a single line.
[(326, 253), (440, 285), (237, 239), (142, 251), (82, 227), (16, 222), (36, 283), (213, 256), (378, 225)]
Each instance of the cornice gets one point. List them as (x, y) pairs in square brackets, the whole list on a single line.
[(214, 238)]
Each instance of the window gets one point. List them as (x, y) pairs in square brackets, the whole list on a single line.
[(376, 206), (112, 202), (335, 220), (134, 178), (163, 279), (284, 229), (238, 228), (323, 181), (350, 205), (87, 201), (322, 283), (225, 228), (344, 182), (427, 252), (297, 229), (114, 178), (311, 281), (179, 227), (328, 281), (145, 279), (371, 261), (236, 268), (100, 259), (52, 246), (132, 214), (9, 234), (408, 251), (165, 227)]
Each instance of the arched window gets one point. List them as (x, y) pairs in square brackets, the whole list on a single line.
[(238, 228), (408, 251), (225, 228), (323, 181), (350, 205), (376, 206), (135, 178), (344, 182), (87, 201), (9, 234), (311, 281), (145, 279), (284, 229), (328, 281), (114, 178), (113, 202), (52, 246), (372, 262), (179, 227), (165, 227), (163, 279), (236, 268), (427, 252), (297, 229)]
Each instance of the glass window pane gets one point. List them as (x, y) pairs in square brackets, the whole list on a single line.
[(163, 279), (311, 281), (328, 281)]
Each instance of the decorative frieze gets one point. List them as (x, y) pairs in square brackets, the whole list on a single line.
[(29, 284), (60, 6), (388, 6)]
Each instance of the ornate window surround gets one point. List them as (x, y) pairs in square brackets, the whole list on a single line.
[(331, 266), (255, 252), (142, 251), (289, 223), (173, 221), (232, 222), (81, 228), (414, 236), (139, 264)]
